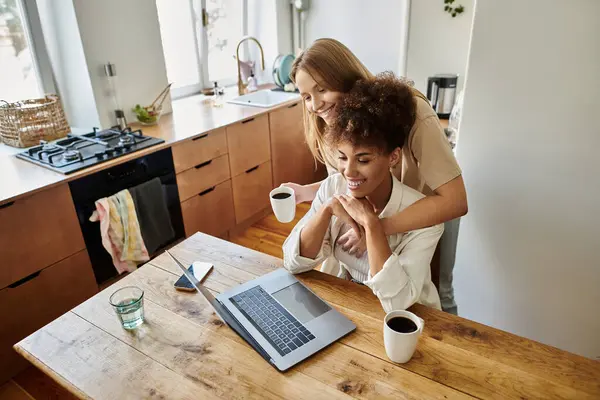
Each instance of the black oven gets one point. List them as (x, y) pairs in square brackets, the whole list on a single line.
[(85, 191)]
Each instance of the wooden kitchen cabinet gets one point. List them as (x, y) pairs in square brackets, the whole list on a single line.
[(203, 148), (248, 144), (202, 176), (34, 301), (37, 231), (290, 155), (251, 191), (210, 211)]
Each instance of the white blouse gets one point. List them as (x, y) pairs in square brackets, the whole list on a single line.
[(406, 276)]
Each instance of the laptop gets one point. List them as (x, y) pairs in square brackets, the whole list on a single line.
[(283, 320)]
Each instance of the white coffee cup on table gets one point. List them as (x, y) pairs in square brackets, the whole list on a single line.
[(401, 332), (283, 202)]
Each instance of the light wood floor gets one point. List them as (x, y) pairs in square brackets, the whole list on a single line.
[(266, 236)]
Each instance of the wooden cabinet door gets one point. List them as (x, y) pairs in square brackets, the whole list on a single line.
[(31, 303), (251, 191), (248, 143), (290, 155), (37, 231), (210, 211), (196, 151), (202, 177)]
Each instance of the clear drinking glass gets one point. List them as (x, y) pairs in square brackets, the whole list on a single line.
[(128, 303)]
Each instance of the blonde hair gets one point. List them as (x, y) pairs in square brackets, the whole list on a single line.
[(334, 67)]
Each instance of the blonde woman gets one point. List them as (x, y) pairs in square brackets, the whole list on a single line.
[(325, 71)]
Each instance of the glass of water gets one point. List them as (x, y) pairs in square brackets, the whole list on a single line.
[(128, 303)]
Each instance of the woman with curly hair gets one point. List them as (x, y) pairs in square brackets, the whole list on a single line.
[(367, 133), (328, 69)]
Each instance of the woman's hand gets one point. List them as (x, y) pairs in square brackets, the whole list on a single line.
[(360, 210), (335, 208), (303, 193), (352, 243)]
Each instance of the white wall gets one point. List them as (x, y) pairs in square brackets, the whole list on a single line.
[(528, 251), (437, 43), (127, 34), (65, 50), (373, 30)]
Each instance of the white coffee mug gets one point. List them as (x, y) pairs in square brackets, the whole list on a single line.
[(284, 209), (399, 346)]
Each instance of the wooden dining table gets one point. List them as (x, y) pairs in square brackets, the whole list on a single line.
[(184, 351)]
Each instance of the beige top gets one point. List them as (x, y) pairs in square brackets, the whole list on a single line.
[(427, 158)]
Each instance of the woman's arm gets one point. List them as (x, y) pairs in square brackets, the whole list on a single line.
[(377, 245), (448, 202), (396, 278), (304, 193), (309, 242), (313, 233), (364, 214), (401, 280)]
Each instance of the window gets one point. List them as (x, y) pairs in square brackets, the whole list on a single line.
[(199, 39), (24, 71)]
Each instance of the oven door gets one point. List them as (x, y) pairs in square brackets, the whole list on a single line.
[(85, 191)]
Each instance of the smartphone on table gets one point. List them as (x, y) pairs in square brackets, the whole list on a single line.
[(199, 270)]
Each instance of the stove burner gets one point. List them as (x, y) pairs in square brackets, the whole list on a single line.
[(70, 155), (49, 147), (78, 151), (126, 139)]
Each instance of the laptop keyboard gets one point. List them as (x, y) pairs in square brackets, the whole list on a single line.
[(272, 320)]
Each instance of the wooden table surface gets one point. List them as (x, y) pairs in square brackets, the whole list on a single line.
[(183, 351)]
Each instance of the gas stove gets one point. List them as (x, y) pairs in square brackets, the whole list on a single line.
[(77, 152)]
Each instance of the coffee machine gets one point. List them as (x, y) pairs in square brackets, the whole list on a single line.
[(441, 92)]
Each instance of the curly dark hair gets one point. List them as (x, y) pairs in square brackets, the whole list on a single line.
[(377, 112)]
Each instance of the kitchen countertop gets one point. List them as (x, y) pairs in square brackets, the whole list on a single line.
[(191, 117)]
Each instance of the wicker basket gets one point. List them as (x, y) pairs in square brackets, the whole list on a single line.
[(25, 123)]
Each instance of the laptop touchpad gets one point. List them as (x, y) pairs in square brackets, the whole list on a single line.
[(301, 302)]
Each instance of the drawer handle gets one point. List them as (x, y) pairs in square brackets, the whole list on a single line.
[(252, 169), (293, 105), (204, 164), (26, 279), (6, 205), (207, 191), (248, 120), (200, 137)]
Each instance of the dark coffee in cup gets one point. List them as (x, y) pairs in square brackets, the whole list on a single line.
[(281, 196), (402, 325)]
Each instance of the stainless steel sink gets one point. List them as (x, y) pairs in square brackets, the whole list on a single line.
[(264, 98)]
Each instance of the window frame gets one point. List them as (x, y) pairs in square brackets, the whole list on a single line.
[(35, 39), (198, 8)]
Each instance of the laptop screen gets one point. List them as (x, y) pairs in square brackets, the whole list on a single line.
[(301, 302)]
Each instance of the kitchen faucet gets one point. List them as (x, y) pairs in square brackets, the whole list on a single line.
[(242, 85)]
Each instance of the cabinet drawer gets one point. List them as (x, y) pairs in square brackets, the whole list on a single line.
[(202, 177), (248, 144), (198, 150), (251, 191), (28, 305), (210, 212), (36, 232)]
